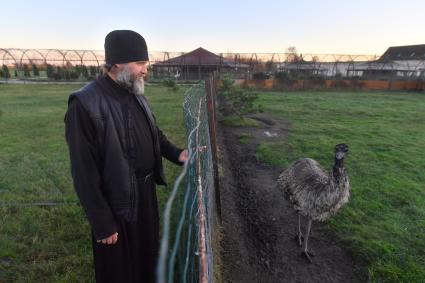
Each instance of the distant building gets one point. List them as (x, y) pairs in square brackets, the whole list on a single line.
[(397, 62), (306, 69), (196, 65)]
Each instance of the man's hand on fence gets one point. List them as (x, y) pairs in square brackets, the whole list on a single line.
[(184, 155), (111, 240)]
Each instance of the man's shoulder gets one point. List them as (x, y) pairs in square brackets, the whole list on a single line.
[(90, 97), (91, 89)]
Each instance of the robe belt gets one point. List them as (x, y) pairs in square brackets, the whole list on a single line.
[(143, 177)]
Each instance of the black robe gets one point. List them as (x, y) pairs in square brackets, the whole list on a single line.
[(133, 258)]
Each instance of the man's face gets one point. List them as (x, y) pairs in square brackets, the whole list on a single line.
[(131, 76)]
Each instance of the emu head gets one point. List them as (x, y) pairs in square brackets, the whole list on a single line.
[(341, 150)]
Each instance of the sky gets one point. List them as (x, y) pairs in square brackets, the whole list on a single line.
[(315, 27)]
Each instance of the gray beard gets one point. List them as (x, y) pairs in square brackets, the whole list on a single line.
[(130, 82)]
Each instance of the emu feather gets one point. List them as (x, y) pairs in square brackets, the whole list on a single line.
[(314, 192)]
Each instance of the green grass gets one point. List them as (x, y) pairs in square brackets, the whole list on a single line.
[(384, 222), (244, 138), (236, 121), (52, 244)]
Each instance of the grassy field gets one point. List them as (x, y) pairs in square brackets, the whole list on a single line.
[(384, 222), (51, 243)]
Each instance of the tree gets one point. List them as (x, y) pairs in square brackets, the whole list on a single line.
[(292, 54), (6, 73), (58, 74), (241, 101), (270, 66), (260, 76), (35, 71), (84, 71), (93, 71), (50, 70), (26, 71)]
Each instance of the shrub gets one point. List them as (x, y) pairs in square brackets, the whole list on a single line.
[(226, 84), (260, 76), (56, 76), (50, 71), (6, 73), (35, 71), (66, 74), (83, 70), (240, 100), (93, 71), (171, 84), (284, 78), (26, 71), (74, 75)]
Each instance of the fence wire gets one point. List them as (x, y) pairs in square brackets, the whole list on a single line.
[(186, 251)]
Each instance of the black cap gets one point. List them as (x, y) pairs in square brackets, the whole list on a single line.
[(124, 46)]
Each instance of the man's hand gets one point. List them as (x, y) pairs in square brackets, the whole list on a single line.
[(184, 155), (111, 240)]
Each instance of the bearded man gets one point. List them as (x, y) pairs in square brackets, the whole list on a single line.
[(115, 150)]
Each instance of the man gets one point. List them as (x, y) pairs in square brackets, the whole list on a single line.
[(115, 149)]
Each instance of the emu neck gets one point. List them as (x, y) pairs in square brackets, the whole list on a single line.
[(338, 169), (339, 163)]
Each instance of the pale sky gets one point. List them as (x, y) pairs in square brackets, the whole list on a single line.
[(320, 27)]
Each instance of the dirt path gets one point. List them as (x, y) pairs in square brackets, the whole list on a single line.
[(259, 225)]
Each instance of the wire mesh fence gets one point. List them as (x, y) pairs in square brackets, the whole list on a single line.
[(187, 255), (191, 212)]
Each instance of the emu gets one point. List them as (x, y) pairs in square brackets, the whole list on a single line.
[(315, 193)]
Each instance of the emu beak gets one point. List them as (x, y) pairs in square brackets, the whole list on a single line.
[(340, 155)]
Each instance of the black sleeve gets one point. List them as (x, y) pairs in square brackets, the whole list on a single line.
[(169, 150), (81, 138)]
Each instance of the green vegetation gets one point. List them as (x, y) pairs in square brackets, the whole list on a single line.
[(239, 100), (244, 138), (52, 243), (384, 222), (260, 76), (170, 84), (4, 72), (35, 70), (42, 72), (236, 121)]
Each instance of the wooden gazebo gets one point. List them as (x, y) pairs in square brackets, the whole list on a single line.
[(196, 65)]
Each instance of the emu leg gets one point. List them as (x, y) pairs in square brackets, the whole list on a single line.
[(305, 244), (299, 237)]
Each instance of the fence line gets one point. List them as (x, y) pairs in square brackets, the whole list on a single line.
[(190, 257), (240, 65)]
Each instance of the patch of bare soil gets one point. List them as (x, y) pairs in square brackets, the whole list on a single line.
[(259, 225)]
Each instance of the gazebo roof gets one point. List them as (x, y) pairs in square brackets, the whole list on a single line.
[(200, 56)]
